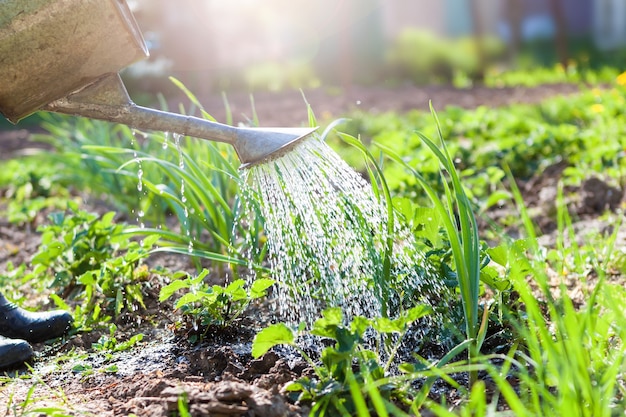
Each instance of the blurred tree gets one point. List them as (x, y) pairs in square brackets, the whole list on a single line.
[(515, 15), (560, 39), (346, 46), (479, 35), (351, 47)]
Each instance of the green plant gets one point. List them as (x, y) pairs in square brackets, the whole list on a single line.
[(570, 360), (462, 232), (31, 184), (342, 380), (110, 343), (183, 406), (560, 131), (90, 257), (213, 305), (200, 189), (74, 243), (151, 176), (54, 404), (121, 278)]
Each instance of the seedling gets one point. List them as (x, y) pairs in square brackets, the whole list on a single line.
[(347, 367), (207, 305)]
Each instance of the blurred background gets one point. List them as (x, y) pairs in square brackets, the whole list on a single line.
[(272, 45)]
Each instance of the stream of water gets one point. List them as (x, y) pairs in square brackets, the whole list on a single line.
[(325, 231)]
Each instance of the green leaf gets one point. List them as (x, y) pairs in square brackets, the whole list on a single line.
[(490, 276), (276, 334), (499, 254), (326, 326), (191, 298), (259, 287), (495, 198), (386, 325), (235, 290), (418, 312), (107, 219), (149, 241), (167, 291), (360, 324), (191, 97), (119, 301), (111, 369), (88, 278)]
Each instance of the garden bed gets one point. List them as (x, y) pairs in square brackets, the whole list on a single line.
[(219, 376)]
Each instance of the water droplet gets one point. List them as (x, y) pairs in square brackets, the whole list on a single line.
[(181, 159)]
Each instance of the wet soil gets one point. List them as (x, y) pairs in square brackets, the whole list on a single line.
[(219, 377)]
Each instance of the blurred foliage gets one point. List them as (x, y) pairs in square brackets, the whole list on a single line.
[(30, 185), (586, 131), (424, 58), (276, 76)]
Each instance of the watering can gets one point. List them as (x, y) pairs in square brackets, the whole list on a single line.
[(64, 56)]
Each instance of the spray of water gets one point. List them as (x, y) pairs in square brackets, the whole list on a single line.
[(325, 233)]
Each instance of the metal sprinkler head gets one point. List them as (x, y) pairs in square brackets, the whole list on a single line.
[(95, 40), (259, 145)]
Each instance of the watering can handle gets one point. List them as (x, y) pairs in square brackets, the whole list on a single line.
[(107, 99)]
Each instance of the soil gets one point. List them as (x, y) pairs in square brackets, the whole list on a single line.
[(218, 377)]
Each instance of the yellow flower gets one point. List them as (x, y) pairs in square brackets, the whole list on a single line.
[(621, 79), (597, 108)]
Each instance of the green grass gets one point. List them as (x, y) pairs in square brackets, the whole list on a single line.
[(462, 232), (153, 177)]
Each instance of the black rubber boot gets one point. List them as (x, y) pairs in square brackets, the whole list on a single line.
[(17, 323), (14, 352)]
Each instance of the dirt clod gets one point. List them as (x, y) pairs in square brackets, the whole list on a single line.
[(598, 196)]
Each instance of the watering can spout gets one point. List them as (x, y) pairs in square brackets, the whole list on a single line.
[(107, 99), (64, 56)]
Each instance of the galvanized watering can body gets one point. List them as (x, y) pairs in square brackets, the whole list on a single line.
[(65, 55), (51, 48)]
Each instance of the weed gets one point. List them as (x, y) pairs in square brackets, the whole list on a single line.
[(90, 258), (31, 185), (55, 403), (527, 138), (73, 244), (110, 343), (462, 232)]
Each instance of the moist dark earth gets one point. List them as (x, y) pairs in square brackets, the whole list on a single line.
[(218, 377)]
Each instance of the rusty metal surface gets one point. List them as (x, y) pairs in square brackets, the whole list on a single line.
[(50, 48)]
